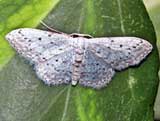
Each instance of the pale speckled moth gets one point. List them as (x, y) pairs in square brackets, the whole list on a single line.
[(60, 58)]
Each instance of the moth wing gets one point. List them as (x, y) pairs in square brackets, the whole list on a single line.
[(120, 52), (95, 72), (33, 43), (57, 70)]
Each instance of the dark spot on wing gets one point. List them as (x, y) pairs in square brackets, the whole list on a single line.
[(103, 69), (49, 35), (67, 79), (98, 51), (78, 61), (39, 38), (121, 45), (51, 42), (56, 60), (112, 40), (19, 31), (134, 46), (141, 41), (112, 62), (93, 78), (29, 40)]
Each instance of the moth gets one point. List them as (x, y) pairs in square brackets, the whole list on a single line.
[(60, 58)]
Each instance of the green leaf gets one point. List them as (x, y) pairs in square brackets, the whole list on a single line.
[(153, 9), (130, 95)]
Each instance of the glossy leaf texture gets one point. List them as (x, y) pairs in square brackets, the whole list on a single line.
[(129, 97)]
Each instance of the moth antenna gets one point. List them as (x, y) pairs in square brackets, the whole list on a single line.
[(51, 29)]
